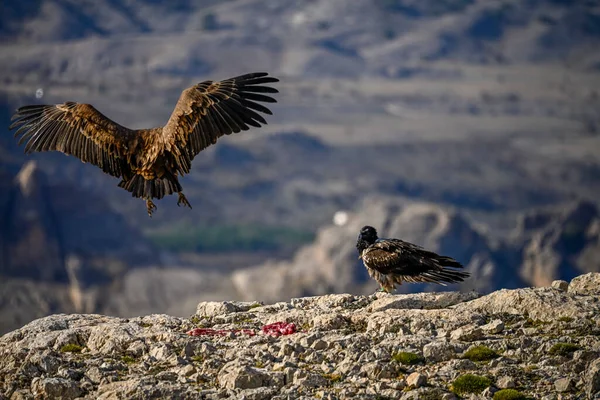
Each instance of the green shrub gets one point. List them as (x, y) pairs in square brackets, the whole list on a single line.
[(470, 383), (563, 349), (407, 358), (71, 348), (480, 353), (509, 394), (128, 359)]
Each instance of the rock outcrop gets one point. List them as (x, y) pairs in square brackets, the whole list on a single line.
[(560, 243), (543, 343), (331, 262)]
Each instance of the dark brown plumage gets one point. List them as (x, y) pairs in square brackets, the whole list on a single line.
[(149, 161), (393, 261)]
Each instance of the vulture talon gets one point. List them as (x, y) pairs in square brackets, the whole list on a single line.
[(150, 207), (182, 200)]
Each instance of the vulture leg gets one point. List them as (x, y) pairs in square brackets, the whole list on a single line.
[(182, 200), (150, 207)]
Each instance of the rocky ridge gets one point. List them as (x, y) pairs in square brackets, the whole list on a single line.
[(541, 342)]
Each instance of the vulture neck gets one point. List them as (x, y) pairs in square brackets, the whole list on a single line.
[(362, 244)]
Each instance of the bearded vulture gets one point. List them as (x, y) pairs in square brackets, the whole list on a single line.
[(149, 161), (393, 261)]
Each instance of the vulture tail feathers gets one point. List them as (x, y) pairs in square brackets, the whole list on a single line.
[(153, 188)]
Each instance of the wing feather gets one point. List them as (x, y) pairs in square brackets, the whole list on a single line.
[(209, 110), (75, 129), (411, 263)]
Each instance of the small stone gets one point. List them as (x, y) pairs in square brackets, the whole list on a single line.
[(307, 379), (214, 308), (175, 360), (319, 345), (506, 382), (416, 380), (94, 374), (46, 362), (325, 395), (167, 376), (276, 379), (494, 327), (330, 321), (261, 393), (347, 367), (54, 388), (187, 370), (564, 385), (438, 351), (288, 374), (587, 284), (397, 384), (234, 375), (69, 373), (106, 366), (466, 334), (462, 364), (21, 394), (307, 341), (592, 379), (137, 349), (528, 331), (161, 352), (86, 385), (379, 370), (563, 286), (327, 368), (488, 392), (286, 350)]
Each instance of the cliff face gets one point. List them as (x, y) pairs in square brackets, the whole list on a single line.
[(542, 342), (43, 225), (560, 244), (56, 242), (31, 239)]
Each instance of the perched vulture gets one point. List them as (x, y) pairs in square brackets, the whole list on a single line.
[(392, 261), (149, 161)]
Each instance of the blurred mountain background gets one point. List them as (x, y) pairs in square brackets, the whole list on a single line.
[(470, 127)]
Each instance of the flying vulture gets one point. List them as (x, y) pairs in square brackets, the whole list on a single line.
[(149, 161), (392, 261)]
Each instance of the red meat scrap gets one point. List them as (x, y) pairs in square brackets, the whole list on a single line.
[(279, 328)]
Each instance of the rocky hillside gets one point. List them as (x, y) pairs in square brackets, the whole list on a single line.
[(308, 37), (539, 343)]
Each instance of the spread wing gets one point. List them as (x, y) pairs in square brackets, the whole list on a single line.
[(209, 110), (76, 129), (411, 263)]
